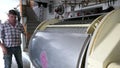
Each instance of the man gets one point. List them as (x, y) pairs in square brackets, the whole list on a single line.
[(11, 40)]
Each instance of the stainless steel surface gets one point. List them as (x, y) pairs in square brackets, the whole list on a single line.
[(57, 50)]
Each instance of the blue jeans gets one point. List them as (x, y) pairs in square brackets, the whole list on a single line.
[(16, 51)]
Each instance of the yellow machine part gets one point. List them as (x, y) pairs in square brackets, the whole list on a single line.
[(104, 47), (51, 24), (44, 24), (94, 24)]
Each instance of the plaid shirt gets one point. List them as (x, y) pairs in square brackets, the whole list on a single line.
[(11, 36)]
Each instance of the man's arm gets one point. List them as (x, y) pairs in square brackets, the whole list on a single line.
[(1, 40)]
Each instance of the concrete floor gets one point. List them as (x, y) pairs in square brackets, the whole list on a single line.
[(26, 61)]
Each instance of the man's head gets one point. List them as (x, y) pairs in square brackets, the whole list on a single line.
[(12, 16)]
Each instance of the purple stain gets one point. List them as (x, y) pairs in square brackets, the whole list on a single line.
[(43, 59)]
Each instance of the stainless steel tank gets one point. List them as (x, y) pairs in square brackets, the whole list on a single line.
[(58, 50), (58, 45), (67, 46)]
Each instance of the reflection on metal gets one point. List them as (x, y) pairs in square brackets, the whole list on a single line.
[(56, 45), (58, 50)]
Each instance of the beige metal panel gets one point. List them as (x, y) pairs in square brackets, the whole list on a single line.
[(44, 24), (51, 24), (114, 65), (69, 28), (104, 47)]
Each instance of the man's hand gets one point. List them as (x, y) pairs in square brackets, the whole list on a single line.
[(3, 48)]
